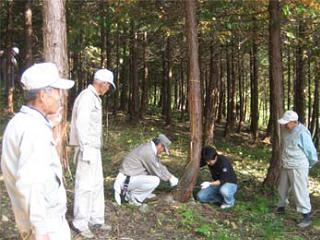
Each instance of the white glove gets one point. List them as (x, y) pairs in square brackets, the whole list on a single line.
[(173, 181), (205, 185)]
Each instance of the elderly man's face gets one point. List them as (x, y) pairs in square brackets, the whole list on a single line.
[(291, 125), (52, 100), (104, 88)]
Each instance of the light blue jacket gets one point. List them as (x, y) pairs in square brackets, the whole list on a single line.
[(298, 148)]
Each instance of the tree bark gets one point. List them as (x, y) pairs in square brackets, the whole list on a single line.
[(195, 106), (55, 50), (299, 96), (254, 85), (212, 97), (272, 177), (145, 88), (28, 33), (9, 74)]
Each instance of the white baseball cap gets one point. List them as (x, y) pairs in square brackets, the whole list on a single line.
[(105, 75), (288, 116), (44, 75), (16, 50)]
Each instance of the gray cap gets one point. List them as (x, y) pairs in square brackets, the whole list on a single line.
[(164, 141)]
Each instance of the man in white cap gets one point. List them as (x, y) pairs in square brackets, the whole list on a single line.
[(298, 155), (30, 163), (141, 171), (86, 135)]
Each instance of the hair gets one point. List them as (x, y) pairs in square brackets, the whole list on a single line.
[(156, 141), (208, 153), (31, 95)]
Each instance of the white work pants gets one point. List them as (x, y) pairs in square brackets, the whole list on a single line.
[(89, 194), (297, 181), (140, 187), (60, 232)]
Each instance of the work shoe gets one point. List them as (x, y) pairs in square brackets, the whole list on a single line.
[(280, 210), (103, 227), (306, 221), (134, 202), (87, 234), (225, 206)]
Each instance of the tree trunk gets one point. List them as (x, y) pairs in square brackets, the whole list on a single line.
[(55, 50), (212, 97), (145, 88), (28, 33), (168, 84), (289, 79), (9, 73), (299, 96), (189, 177), (254, 86), (272, 177), (134, 115)]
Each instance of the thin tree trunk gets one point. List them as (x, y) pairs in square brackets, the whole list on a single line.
[(212, 97), (273, 174), (189, 177), (289, 79), (254, 86), (28, 33), (299, 96), (9, 74), (55, 50), (169, 81), (145, 88)]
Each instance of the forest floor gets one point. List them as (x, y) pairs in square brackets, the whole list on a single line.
[(252, 217)]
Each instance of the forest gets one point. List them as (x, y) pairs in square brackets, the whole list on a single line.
[(203, 72)]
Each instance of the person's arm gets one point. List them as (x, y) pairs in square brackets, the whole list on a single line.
[(155, 167), (32, 174), (308, 148), (82, 124)]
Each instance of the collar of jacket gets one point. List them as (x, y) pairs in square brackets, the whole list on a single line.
[(153, 146), (35, 114)]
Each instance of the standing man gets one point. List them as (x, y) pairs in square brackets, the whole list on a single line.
[(30, 164), (141, 171), (86, 135), (298, 155), (223, 186)]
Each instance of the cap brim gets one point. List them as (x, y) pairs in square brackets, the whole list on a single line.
[(282, 121), (166, 149), (62, 84)]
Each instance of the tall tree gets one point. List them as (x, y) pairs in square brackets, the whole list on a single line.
[(277, 90), (55, 50), (299, 95), (28, 33), (212, 96), (254, 104), (195, 105)]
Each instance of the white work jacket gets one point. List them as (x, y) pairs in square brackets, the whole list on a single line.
[(32, 172), (86, 123)]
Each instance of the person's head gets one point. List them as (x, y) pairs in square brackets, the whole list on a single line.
[(208, 156), (42, 86), (162, 144), (15, 51), (289, 119), (103, 81)]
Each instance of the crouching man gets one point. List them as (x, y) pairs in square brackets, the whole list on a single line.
[(141, 171), (224, 185)]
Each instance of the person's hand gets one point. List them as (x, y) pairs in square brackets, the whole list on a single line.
[(205, 185), (42, 237), (173, 181), (216, 183)]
